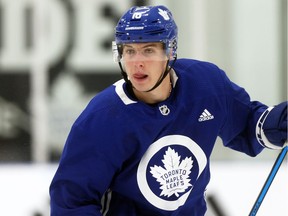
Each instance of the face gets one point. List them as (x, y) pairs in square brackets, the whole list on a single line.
[(144, 63)]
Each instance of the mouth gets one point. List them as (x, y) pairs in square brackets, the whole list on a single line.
[(140, 76)]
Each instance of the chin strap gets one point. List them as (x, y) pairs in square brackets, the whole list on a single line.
[(167, 70), (162, 77), (124, 74)]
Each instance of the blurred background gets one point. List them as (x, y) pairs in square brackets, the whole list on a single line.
[(55, 55)]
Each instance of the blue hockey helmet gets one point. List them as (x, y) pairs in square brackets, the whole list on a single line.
[(146, 24)]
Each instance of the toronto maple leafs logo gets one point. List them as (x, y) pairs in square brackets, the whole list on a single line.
[(165, 177), (174, 177), (164, 14)]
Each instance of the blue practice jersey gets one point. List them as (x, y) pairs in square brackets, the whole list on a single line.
[(124, 157)]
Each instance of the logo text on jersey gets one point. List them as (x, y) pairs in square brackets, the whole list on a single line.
[(174, 176), (205, 116)]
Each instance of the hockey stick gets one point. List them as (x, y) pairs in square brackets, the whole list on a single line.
[(269, 181)]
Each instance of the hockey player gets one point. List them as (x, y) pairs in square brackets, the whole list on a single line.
[(142, 146)]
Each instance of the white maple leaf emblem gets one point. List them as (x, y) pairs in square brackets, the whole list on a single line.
[(174, 177), (163, 13)]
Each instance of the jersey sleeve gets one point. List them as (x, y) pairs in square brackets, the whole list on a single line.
[(90, 159), (242, 114)]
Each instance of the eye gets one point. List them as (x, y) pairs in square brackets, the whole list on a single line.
[(129, 51), (149, 50)]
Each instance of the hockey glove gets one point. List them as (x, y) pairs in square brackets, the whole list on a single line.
[(275, 125)]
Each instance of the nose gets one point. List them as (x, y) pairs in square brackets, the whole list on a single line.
[(138, 60)]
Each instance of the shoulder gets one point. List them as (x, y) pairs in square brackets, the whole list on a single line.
[(198, 72), (204, 79), (192, 64), (105, 106)]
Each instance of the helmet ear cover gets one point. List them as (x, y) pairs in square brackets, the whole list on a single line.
[(117, 50)]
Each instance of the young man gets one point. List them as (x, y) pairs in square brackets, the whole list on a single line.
[(142, 146)]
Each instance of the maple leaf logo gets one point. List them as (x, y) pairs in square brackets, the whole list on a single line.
[(163, 13), (174, 177)]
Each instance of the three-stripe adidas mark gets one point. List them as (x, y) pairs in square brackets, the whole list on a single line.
[(205, 116)]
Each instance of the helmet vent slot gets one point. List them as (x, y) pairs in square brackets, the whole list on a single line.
[(158, 31)]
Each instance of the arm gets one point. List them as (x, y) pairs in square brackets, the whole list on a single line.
[(85, 171), (244, 117), (242, 114)]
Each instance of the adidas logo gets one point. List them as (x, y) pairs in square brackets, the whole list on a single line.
[(205, 116)]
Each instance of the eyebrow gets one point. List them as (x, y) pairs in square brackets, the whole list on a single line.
[(145, 46)]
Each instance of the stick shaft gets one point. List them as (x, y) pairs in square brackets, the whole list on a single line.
[(269, 181)]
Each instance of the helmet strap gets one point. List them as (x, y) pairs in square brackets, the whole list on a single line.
[(164, 74), (123, 73)]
